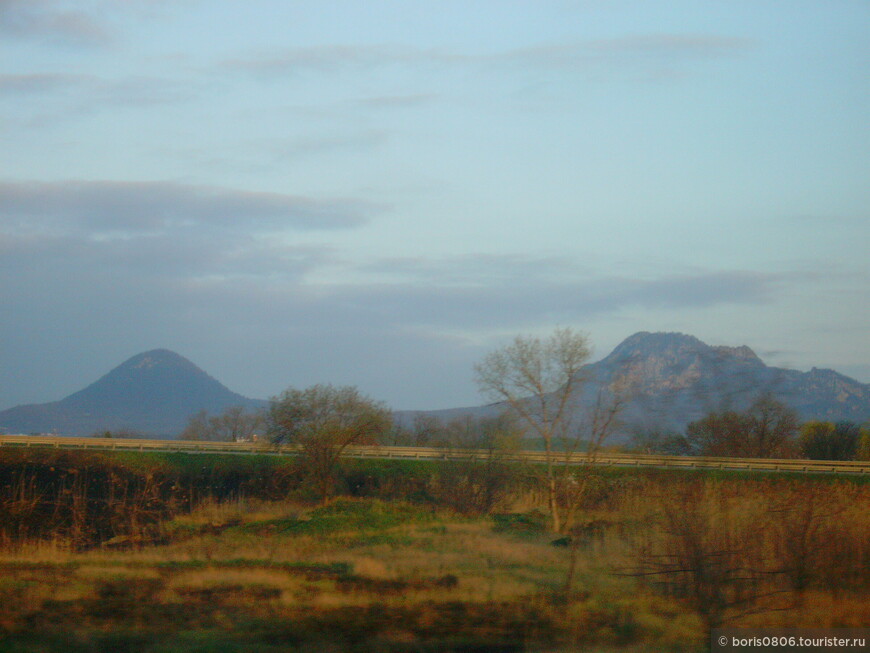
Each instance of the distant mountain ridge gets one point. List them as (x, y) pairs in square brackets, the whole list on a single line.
[(153, 393), (676, 378)]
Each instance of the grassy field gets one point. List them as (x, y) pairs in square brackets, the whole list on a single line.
[(229, 554)]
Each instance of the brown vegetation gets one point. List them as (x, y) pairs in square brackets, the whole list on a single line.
[(160, 553)]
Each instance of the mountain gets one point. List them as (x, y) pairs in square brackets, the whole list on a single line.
[(675, 379), (153, 393)]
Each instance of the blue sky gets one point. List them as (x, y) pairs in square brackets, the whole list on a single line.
[(379, 193)]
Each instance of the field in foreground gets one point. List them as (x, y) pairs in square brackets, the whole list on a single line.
[(656, 559)]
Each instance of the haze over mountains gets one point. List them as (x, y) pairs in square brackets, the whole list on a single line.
[(153, 393), (676, 378)]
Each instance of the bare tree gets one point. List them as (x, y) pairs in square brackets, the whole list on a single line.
[(481, 485), (235, 424), (324, 421), (765, 430), (539, 379), (700, 549)]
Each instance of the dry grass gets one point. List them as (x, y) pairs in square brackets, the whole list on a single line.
[(412, 577), (754, 553), (374, 575)]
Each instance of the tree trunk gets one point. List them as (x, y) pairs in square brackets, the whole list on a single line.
[(552, 497)]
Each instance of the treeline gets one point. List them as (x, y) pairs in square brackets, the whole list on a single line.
[(767, 429), (236, 424), (539, 379), (80, 499), (84, 499)]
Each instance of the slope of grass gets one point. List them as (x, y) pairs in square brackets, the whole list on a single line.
[(429, 581), (202, 553)]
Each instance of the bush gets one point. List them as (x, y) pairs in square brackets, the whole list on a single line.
[(827, 441)]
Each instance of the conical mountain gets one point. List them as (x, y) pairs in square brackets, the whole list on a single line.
[(153, 393)]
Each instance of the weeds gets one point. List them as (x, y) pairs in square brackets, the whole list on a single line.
[(175, 553)]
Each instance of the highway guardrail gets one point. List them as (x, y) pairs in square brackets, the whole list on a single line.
[(433, 453)]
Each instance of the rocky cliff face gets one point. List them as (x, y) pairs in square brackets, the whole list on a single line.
[(674, 379)]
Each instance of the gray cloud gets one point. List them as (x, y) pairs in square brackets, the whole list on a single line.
[(522, 298), (198, 243), (185, 259), (517, 271), (230, 300), (332, 58), (659, 55), (114, 206), (42, 19), (578, 55), (30, 83), (663, 45), (73, 94), (50, 99), (137, 91)]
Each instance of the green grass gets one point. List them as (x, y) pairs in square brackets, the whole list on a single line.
[(243, 563), (532, 524)]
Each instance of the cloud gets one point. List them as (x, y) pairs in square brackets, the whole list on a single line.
[(647, 50), (161, 245), (45, 20), (30, 83), (228, 294), (670, 45), (579, 55), (515, 302), (334, 58), (102, 207), (208, 242), (488, 292), (73, 94), (515, 271), (186, 259)]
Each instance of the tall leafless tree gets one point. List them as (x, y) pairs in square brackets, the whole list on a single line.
[(540, 379)]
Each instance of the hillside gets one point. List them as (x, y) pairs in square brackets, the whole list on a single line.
[(676, 378), (153, 393)]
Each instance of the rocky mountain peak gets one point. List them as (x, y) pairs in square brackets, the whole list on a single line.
[(741, 353), (645, 344), (674, 379)]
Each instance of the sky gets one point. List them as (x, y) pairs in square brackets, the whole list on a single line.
[(379, 193)]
